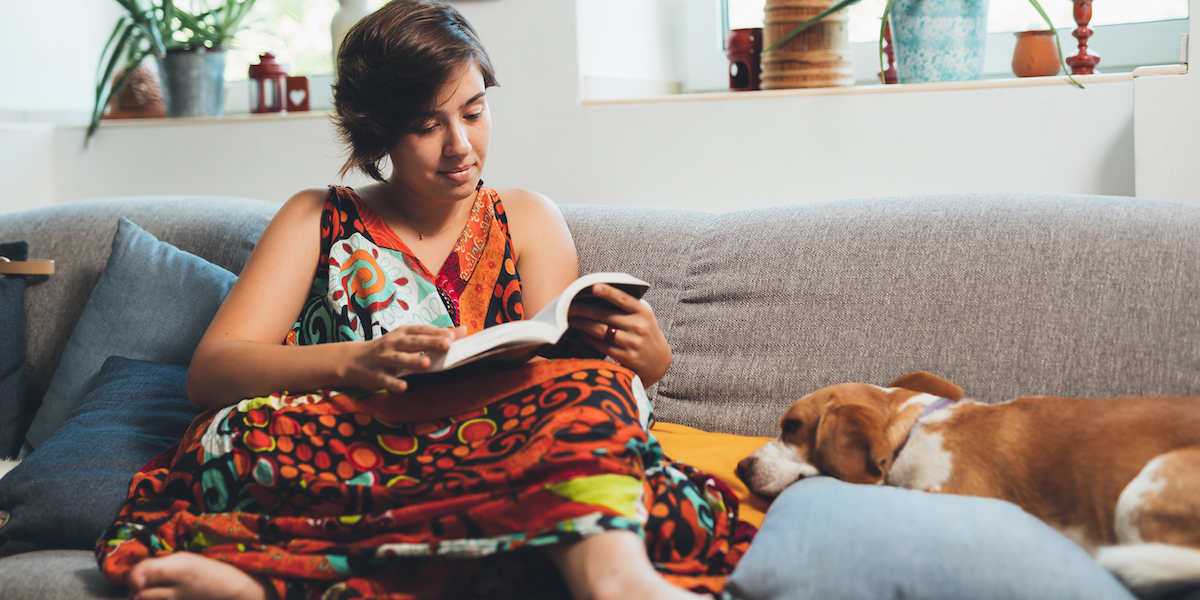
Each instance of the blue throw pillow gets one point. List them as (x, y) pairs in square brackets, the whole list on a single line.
[(153, 302), (824, 538), (68, 491), (13, 368)]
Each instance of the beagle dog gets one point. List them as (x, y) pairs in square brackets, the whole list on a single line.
[(1119, 476)]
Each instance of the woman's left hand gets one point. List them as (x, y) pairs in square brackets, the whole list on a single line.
[(628, 333)]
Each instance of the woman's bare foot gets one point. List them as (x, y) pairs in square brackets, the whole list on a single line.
[(613, 566), (188, 576)]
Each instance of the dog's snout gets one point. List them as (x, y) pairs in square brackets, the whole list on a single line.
[(744, 467)]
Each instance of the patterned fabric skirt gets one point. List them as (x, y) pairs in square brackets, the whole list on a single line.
[(442, 492)]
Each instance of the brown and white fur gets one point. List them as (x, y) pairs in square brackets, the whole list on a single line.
[(1119, 476)]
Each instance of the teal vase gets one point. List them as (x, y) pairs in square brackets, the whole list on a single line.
[(939, 40)]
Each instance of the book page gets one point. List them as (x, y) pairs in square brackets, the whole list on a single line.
[(556, 311), (504, 335), (546, 328), (571, 342)]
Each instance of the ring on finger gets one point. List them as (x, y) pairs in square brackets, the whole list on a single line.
[(610, 335)]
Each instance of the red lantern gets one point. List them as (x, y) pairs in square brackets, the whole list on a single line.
[(267, 85)]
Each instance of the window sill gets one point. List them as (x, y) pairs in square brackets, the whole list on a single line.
[(981, 84), (228, 118)]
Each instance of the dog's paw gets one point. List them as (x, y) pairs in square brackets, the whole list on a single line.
[(7, 464), (1152, 570)]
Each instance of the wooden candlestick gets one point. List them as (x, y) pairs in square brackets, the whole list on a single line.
[(1083, 63), (888, 76)]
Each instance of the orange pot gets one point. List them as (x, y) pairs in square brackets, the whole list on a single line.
[(1036, 54)]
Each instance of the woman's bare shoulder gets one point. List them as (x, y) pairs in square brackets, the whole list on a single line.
[(309, 197), (542, 246), (303, 205), (528, 204), (532, 217)]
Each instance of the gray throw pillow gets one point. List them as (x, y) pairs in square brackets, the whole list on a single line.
[(153, 302)]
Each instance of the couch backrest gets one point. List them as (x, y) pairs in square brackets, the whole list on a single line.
[(78, 237), (1005, 294)]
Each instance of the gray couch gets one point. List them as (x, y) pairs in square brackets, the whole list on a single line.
[(1004, 294)]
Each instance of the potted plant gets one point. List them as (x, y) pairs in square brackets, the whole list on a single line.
[(187, 44), (905, 36)]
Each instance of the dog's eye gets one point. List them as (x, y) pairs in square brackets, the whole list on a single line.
[(791, 426)]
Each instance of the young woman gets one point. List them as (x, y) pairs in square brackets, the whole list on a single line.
[(487, 483)]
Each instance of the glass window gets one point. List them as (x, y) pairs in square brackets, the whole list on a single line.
[(1003, 15), (295, 31)]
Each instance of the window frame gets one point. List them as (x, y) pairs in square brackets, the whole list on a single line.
[(1122, 48)]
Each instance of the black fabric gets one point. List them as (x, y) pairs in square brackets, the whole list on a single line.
[(13, 367)]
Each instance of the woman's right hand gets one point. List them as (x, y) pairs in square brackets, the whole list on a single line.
[(377, 362)]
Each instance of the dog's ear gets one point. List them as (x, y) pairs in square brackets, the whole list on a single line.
[(928, 383), (851, 445)]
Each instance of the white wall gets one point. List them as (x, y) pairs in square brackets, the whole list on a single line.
[(48, 55), (1167, 125), (26, 165), (714, 154), (627, 45)]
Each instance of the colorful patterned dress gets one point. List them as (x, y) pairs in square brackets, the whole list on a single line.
[(444, 491)]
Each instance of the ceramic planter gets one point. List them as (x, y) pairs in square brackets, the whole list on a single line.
[(1036, 54), (939, 40), (193, 82)]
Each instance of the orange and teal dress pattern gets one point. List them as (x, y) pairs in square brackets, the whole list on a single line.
[(445, 491)]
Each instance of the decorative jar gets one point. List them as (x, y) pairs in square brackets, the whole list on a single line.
[(1036, 54)]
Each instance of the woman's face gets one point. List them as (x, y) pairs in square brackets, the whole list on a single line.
[(443, 159)]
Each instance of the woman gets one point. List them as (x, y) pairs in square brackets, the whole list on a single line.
[(454, 485)]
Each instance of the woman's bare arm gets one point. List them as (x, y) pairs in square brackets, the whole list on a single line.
[(241, 355), (548, 262), (542, 245)]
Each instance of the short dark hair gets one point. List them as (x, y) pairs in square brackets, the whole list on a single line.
[(390, 67)]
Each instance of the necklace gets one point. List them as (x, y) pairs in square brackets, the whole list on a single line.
[(421, 234)]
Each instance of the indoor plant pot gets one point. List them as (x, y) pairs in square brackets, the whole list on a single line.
[(193, 82), (188, 45)]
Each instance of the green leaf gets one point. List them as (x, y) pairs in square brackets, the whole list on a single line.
[(805, 25), (131, 6), (103, 92), (243, 9), (156, 29), (121, 23), (887, 12)]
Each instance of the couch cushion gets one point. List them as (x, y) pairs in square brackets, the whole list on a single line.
[(13, 367), (78, 236), (65, 494), (823, 538), (55, 575), (1004, 294), (153, 302), (716, 454)]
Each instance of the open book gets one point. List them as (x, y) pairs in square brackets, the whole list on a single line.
[(546, 334)]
